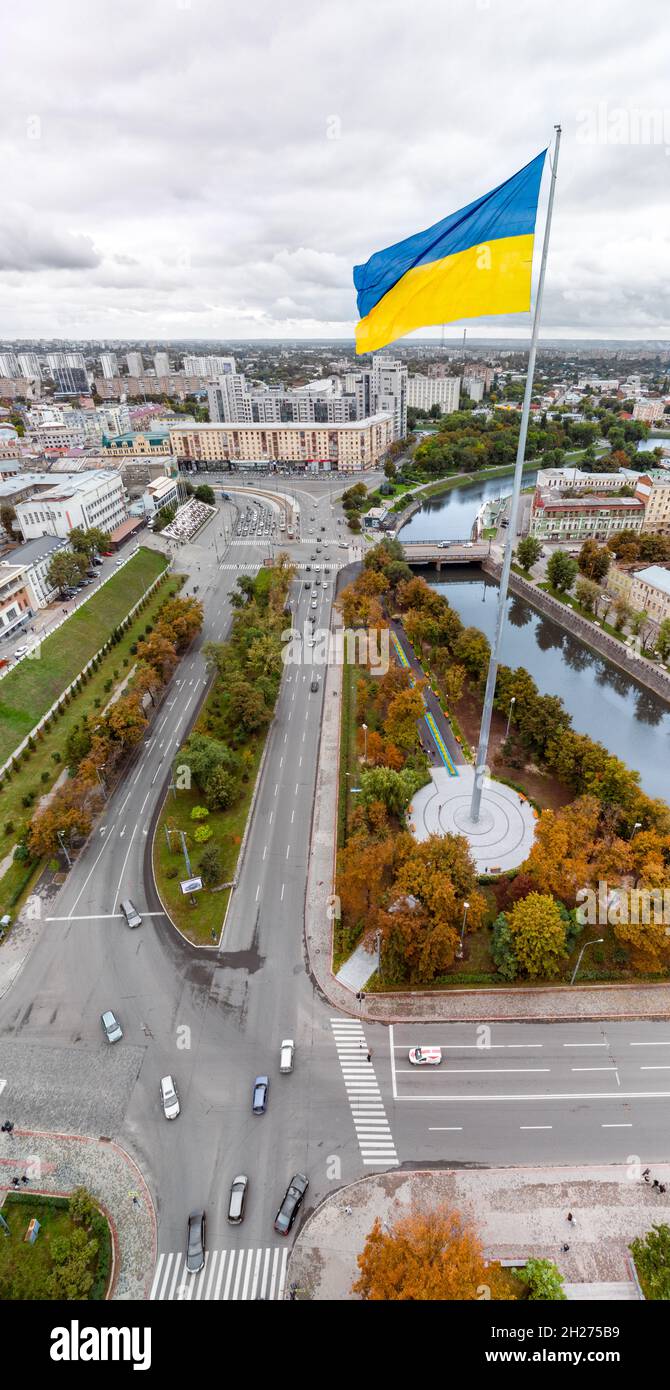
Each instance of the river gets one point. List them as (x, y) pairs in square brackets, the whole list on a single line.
[(602, 701)]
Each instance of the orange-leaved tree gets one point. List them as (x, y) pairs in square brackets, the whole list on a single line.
[(426, 1256)]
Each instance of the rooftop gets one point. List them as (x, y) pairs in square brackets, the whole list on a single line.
[(655, 575)]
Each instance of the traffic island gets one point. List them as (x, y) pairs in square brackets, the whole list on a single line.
[(518, 1213)]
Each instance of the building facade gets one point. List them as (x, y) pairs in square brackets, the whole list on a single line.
[(96, 498), (423, 392), (347, 447)]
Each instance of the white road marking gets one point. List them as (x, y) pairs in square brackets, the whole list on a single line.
[(536, 1126), (617, 1126), (549, 1095), (444, 1129)]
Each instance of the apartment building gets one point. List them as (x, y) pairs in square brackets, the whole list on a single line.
[(134, 364), (109, 365), (159, 493), (576, 519), (646, 590), (68, 370), (649, 410), (423, 392), (653, 488), (209, 367), (95, 498), (162, 364), (24, 586), (348, 447)]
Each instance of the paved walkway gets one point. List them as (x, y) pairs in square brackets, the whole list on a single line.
[(519, 1213), (57, 1163), (502, 837)]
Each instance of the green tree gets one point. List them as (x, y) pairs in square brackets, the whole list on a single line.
[(7, 518), (587, 594), (204, 493), (652, 1261), (528, 552), (472, 650), (211, 867), (663, 639), (66, 568), (502, 949), (394, 789), (538, 935), (544, 1281), (89, 542), (561, 571)]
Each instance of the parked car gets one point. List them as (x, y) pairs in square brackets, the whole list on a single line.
[(238, 1196), (291, 1203), (425, 1056), (286, 1055), (169, 1098), (111, 1027), (195, 1242), (260, 1095), (130, 913), (21, 651)]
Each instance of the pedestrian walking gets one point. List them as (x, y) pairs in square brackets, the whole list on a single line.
[(136, 1201), (348, 1211), (565, 1248), (369, 1056), (571, 1218), (646, 1175)]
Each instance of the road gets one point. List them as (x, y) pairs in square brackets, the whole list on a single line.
[(215, 1018)]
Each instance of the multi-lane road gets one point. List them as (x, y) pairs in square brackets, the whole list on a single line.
[(215, 1018)]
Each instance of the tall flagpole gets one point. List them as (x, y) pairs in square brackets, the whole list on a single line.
[(484, 732)]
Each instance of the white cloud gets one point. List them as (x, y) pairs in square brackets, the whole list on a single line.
[(217, 170)]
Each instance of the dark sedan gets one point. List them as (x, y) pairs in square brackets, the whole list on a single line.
[(291, 1204), (260, 1096), (195, 1242)]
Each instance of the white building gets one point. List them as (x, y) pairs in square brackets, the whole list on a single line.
[(96, 498), (24, 586), (134, 364), (209, 367), (69, 373), (426, 391), (29, 366), (159, 493), (9, 365), (162, 364), (649, 410), (474, 387), (109, 365)]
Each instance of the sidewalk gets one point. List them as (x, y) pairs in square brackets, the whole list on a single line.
[(527, 1004), (518, 1213), (111, 1176)]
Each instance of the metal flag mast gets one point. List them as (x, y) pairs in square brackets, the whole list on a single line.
[(484, 732)]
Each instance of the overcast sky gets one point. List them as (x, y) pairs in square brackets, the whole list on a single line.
[(205, 168)]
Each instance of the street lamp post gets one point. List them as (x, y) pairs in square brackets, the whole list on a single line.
[(509, 716), (459, 953), (61, 842), (596, 941), (636, 827)]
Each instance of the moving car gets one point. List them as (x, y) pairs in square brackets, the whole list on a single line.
[(286, 1055), (111, 1026), (260, 1095), (169, 1098), (21, 651), (425, 1056), (291, 1203), (314, 603), (130, 913), (195, 1242), (238, 1196), (314, 686)]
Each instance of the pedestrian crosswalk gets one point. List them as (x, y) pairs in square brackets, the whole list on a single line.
[(240, 565), (227, 1276), (365, 1098)]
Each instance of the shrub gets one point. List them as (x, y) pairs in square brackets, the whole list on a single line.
[(108, 684), (202, 834), (56, 757), (45, 776), (9, 826), (21, 854), (199, 813)]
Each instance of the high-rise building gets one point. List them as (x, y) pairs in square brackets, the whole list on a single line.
[(134, 364), (474, 386), (426, 391), (68, 370), (9, 365), (228, 398), (29, 366), (388, 392), (109, 365), (162, 364), (209, 367)]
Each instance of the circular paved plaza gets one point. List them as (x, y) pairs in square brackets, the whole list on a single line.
[(502, 837)]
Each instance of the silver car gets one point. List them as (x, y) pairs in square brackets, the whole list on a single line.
[(111, 1026), (238, 1196), (169, 1098)]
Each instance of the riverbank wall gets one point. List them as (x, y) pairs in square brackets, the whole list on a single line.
[(646, 673)]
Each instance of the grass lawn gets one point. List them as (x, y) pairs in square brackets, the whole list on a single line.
[(577, 607), (201, 923), (41, 763), (24, 1268), (31, 687)]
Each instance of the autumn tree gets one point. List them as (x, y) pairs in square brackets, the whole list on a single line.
[(127, 720), (538, 933), (68, 815), (452, 682), (402, 717), (432, 1255), (158, 651), (362, 869), (594, 560), (180, 619)]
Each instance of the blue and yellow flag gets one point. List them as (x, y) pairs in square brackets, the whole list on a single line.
[(476, 261)]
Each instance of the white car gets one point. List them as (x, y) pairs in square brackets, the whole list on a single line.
[(425, 1056), (20, 651), (286, 1055), (169, 1098)]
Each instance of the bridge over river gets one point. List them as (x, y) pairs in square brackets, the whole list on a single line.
[(439, 553)]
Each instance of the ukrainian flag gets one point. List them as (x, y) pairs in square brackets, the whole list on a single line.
[(476, 261)]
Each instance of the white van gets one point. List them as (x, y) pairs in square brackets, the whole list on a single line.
[(286, 1055)]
